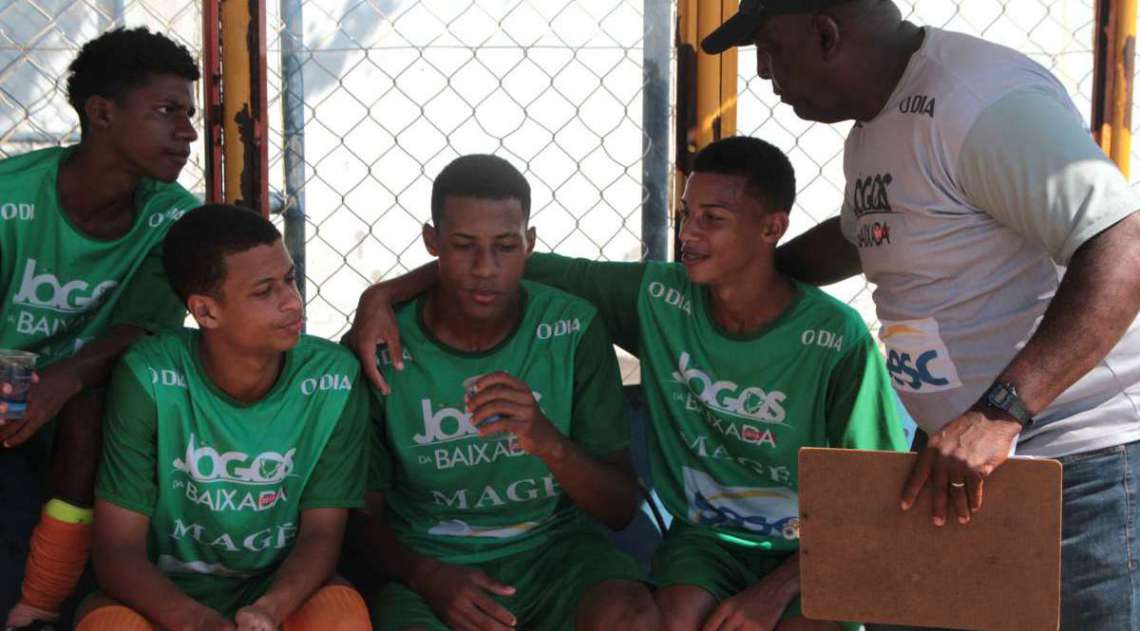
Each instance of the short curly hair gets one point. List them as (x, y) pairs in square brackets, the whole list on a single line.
[(122, 60)]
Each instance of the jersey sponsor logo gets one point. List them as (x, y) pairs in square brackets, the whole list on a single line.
[(870, 195), (460, 528), (917, 104), (172, 565), (517, 492), (28, 323), (222, 499), (707, 448), (325, 383), (167, 377), (17, 212), (917, 358), (448, 424), (873, 234), (670, 296), (749, 403), (205, 464), (46, 291), (545, 331), (474, 453), (767, 512), (822, 338), (278, 537), (386, 357), (157, 219)]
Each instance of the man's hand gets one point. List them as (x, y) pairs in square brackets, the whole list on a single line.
[(502, 403), (254, 618), (47, 396), (757, 608), (375, 324), (957, 460), (461, 597)]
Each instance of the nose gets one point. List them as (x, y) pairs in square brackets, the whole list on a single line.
[(184, 130), (763, 65), (291, 301), (484, 265), (688, 229)]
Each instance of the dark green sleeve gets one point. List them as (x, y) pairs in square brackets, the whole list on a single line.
[(599, 423), (338, 480), (379, 460), (612, 287), (128, 469), (862, 410), (148, 302)]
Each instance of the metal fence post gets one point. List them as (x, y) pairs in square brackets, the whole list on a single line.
[(1115, 54), (655, 130), (293, 122)]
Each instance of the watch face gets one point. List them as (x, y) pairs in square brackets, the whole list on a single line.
[(999, 395)]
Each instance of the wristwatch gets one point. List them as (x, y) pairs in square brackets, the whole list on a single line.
[(1003, 396)]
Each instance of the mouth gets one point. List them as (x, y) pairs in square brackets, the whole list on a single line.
[(294, 326), (180, 156), (483, 296), (691, 257)]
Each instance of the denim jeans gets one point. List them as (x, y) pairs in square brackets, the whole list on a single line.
[(1100, 588)]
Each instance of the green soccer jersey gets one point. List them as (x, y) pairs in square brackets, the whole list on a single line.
[(728, 413), (224, 484), (463, 498), (60, 288)]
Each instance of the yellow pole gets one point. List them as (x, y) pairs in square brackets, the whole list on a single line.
[(706, 85), (244, 152), (1123, 71)]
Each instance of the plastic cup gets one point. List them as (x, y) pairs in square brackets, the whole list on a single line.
[(469, 390), (16, 368)]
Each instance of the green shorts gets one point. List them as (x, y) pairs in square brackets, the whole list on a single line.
[(549, 580), (691, 555)]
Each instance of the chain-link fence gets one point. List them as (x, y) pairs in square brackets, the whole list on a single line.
[(39, 38), (1056, 33), (379, 94), (394, 90)]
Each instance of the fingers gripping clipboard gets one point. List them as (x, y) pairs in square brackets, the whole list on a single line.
[(863, 559)]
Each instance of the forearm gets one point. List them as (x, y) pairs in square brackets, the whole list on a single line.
[(602, 489), (1096, 302), (783, 583), (309, 566), (92, 365), (140, 585), (820, 256)]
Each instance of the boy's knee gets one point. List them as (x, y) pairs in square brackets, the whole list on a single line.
[(619, 605), (334, 607), (115, 617)]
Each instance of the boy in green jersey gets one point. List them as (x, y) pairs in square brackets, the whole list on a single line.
[(80, 280), (503, 434), (232, 453), (741, 367)]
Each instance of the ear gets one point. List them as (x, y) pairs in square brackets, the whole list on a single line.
[(431, 236), (100, 112), (206, 311), (775, 226), (827, 33), (530, 239)]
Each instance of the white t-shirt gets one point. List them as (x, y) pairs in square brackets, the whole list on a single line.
[(966, 197)]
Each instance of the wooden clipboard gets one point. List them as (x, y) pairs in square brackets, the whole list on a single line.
[(863, 559)]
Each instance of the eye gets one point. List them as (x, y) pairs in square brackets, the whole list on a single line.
[(508, 247), (262, 293)]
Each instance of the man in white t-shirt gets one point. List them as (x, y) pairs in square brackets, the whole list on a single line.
[(1003, 246)]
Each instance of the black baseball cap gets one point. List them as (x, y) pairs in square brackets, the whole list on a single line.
[(738, 29)]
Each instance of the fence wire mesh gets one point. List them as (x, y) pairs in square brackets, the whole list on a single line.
[(394, 89), (39, 38)]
